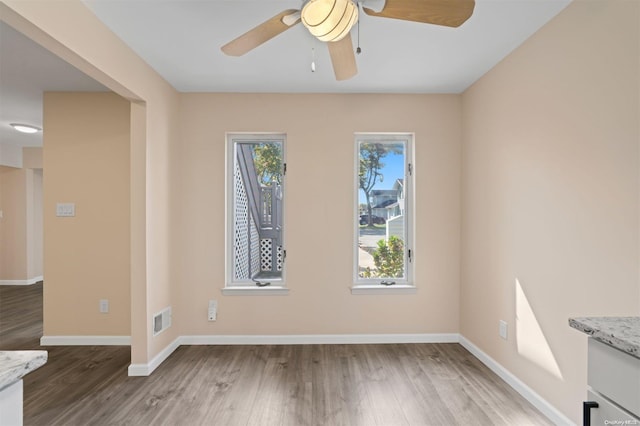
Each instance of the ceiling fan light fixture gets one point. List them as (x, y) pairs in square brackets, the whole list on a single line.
[(329, 20), (25, 128)]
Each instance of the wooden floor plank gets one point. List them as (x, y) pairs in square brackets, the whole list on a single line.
[(290, 385), (383, 397)]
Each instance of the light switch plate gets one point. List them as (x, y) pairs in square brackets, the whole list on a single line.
[(65, 209)]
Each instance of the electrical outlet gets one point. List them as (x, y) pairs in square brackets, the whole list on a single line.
[(503, 329), (65, 209), (104, 306), (213, 310)]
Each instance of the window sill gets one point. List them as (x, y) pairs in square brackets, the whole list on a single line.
[(381, 289), (271, 290)]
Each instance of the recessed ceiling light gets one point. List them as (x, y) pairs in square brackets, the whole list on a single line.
[(25, 128)]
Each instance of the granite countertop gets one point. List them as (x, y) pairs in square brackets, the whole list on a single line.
[(620, 332), (16, 364)]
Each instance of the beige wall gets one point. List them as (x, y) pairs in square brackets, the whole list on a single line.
[(20, 225), (86, 158), (32, 157), (93, 48), (37, 237), (10, 155), (34, 236), (3, 169), (319, 213), (13, 224), (550, 195)]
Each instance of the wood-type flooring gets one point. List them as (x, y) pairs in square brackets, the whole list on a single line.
[(297, 385)]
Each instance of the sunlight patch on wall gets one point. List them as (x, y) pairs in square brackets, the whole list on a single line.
[(530, 340)]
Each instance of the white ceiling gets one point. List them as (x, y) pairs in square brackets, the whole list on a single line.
[(181, 40), (26, 71)]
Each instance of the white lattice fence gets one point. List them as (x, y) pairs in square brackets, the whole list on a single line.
[(280, 259), (246, 245), (266, 255), (240, 229), (255, 248)]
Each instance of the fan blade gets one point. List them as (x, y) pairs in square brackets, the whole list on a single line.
[(262, 33), (450, 13), (343, 58)]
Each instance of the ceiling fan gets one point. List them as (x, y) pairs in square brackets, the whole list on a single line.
[(332, 20)]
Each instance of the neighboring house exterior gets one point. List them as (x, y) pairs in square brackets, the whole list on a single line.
[(389, 204), (395, 212), (380, 199), (397, 207)]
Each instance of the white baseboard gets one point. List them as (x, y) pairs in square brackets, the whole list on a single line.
[(147, 369), (85, 341), (518, 385), (29, 281), (309, 339), (318, 339)]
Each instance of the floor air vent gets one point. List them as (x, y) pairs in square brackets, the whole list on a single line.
[(161, 321)]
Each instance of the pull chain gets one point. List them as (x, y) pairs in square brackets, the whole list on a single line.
[(358, 50)]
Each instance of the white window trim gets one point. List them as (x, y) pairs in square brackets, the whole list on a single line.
[(369, 286), (246, 290), (248, 287), (380, 289)]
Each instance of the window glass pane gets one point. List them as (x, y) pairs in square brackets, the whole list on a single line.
[(381, 210), (257, 211)]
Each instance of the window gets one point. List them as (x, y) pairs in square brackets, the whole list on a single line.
[(383, 219), (255, 225)]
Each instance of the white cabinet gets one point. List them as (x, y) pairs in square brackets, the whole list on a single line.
[(614, 383), (11, 405), (608, 413)]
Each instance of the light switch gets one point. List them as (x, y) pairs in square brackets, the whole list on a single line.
[(65, 209)]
